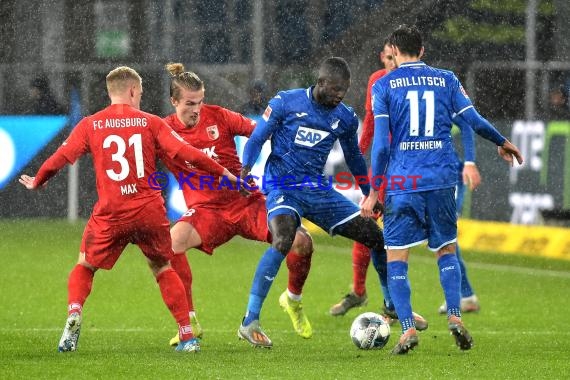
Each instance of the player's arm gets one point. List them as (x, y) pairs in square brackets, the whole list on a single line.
[(269, 122), (483, 128), (355, 160), (175, 147), (471, 175), (72, 148), (380, 149), (464, 110), (239, 125), (48, 169)]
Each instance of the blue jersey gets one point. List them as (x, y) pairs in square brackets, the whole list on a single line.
[(303, 133), (419, 103)]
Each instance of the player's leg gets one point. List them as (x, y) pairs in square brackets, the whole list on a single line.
[(172, 291), (469, 300), (153, 238), (299, 263), (252, 224), (184, 237), (441, 224), (450, 278), (79, 286), (360, 262), (400, 289), (357, 297), (403, 228), (203, 229), (283, 223), (100, 248), (367, 231)]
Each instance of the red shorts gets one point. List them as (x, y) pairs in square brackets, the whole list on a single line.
[(103, 243), (245, 216)]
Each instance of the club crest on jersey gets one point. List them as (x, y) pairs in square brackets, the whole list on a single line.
[(213, 132), (310, 137), (334, 125)]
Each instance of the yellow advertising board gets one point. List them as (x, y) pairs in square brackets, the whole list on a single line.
[(475, 235)]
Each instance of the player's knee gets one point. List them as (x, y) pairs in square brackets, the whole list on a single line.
[(303, 243), (184, 236), (283, 243), (83, 261), (446, 250), (157, 266)]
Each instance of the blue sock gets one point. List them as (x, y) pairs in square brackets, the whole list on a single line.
[(466, 289), (265, 273), (400, 290), (379, 262), (450, 279)]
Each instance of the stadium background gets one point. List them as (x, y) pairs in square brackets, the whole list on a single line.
[(509, 54)]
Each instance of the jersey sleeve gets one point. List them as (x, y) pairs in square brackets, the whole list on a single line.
[(270, 121), (467, 140), (459, 99), (352, 154), (239, 125), (77, 144), (174, 146), (381, 141)]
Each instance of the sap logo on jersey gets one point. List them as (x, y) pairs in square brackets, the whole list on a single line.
[(310, 137)]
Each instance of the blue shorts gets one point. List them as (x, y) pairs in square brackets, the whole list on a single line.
[(327, 208), (413, 218)]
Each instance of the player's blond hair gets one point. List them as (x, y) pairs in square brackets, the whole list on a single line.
[(180, 78), (119, 79)]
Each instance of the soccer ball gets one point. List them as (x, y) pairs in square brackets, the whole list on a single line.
[(369, 331)]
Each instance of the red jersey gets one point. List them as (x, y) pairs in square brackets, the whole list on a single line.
[(368, 123), (214, 135), (124, 143)]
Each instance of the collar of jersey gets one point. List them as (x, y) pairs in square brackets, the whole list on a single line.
[(412, 64), (309, 93)]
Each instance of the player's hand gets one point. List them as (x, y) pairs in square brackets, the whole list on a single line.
[(27, 181), (378, 209), (370, 207), (508, 151), (246, 176), (241, 185), (245, 171), (471, 176)]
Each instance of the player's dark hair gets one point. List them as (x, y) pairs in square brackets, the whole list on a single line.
[(407, 39), (384, 43), (180, 78), (334, 66)]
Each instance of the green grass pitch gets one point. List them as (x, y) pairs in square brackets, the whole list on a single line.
[(519, 333)]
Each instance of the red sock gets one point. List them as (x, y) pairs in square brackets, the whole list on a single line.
[(78, 287), (172, 291), (180, 264), (299, 267), (360, 262)]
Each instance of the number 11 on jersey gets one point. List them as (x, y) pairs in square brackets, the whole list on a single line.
[(413, 98)]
